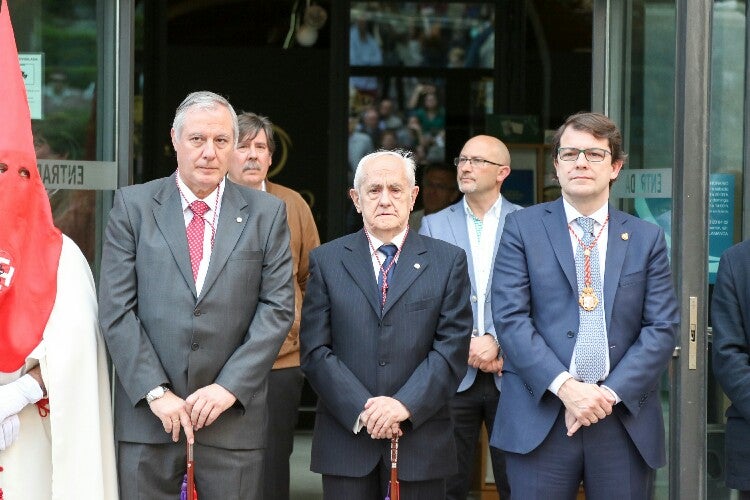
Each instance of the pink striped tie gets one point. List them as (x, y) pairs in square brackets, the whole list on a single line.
[(195, 232)]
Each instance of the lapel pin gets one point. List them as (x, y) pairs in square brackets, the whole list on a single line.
[(239, 219), (417, 266), (625, 236)]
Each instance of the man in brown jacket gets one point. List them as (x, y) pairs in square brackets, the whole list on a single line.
[(250, 167)]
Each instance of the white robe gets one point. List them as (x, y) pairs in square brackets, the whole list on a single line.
[(70, 453)]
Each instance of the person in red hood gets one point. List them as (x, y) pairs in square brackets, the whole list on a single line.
[(51, 351)]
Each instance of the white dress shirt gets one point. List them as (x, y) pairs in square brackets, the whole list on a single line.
[(210, 219), (482, 253)]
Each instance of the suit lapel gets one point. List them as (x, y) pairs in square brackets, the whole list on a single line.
[(358, 263), (557, 231), (616, 249), (234, 216), (457, 224), (411, 263), (170, 221)]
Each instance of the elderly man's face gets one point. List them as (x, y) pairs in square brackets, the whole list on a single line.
[(204, 148), (385, 198), (252, 160)]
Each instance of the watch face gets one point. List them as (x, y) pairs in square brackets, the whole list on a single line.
[(155, 393)]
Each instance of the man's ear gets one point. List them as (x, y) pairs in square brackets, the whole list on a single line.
[(354, 195), (414, 193)]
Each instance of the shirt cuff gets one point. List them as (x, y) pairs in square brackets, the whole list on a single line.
[(358, 424), (558, 382)]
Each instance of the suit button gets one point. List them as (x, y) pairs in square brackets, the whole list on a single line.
[(571, 334), (382, 363), (194, 346), (197, 312)]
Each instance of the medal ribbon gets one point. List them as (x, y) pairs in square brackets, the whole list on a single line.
[(587, 252)]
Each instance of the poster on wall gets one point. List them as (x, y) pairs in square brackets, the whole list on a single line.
[(32, 70)]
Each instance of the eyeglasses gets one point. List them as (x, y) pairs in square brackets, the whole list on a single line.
[(592, 154), (474, 162)]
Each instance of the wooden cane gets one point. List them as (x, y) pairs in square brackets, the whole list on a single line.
[(191, 494), (394, 486)]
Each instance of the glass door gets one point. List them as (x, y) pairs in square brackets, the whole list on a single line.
[(727, 220), (676, 81), (78, 96), (640, 60), (668, 83)]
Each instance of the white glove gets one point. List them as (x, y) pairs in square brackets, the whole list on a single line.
[(9, 429), (16, 395)]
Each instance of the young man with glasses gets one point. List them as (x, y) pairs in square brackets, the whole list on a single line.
[(475, 224), (585, 310)]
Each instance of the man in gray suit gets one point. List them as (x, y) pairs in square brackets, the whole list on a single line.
[(384, 336), (196, 299), (476, 224)]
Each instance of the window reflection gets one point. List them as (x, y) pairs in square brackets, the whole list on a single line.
[(433, 35)]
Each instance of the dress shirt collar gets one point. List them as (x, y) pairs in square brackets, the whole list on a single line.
[(494, 209), (397, 240), (188, 196), (600, 215)]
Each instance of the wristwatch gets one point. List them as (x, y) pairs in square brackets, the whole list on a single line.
[(156, 393)]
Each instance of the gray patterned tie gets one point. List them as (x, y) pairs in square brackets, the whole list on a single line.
[(591, 346)]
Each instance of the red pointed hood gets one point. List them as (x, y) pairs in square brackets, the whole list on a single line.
[(30, 244)]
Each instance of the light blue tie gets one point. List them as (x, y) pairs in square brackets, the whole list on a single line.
[(591, 346)]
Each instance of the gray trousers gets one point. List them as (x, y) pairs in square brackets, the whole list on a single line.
[(156, 471)]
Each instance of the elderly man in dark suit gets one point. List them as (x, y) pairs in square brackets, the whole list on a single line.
[(196, 299), (585, 309), (385, 333), (730, 317)]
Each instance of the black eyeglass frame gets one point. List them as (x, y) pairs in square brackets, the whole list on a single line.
[(585, 154), (459, 160)]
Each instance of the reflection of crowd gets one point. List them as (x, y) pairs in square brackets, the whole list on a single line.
[(425, 34), (72, 209), (421, 129)]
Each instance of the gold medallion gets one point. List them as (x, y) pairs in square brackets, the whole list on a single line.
[(588, 299)]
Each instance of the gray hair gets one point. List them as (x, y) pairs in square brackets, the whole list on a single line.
[(405, 156), (251, 124), (203, 100)]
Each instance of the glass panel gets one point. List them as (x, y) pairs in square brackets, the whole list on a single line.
[(434, 35), (642, 89), (725, 202), (64, 125)]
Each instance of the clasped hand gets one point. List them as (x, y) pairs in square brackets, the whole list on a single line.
[(585, 404), (383, 416), (198, 410), (483, 354)]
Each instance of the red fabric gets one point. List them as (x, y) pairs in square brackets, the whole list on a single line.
[(30, 244)]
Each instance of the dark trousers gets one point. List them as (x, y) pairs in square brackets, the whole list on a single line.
[(156, 472), (374, 486), (284, 393), (602, 456), (470, 409)]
